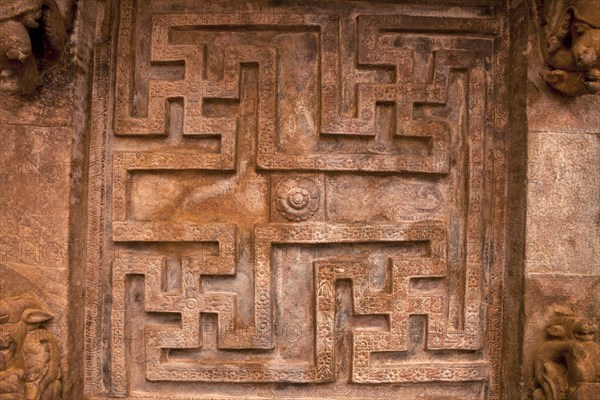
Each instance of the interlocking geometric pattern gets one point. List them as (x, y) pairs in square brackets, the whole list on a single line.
[(397, 303), (404, 93), (433, 78)]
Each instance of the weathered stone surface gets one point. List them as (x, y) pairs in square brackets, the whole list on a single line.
[(300, 199), (315, 216), (562, 240), (34, 238), (563, 203), (35, 167), (36, 156)]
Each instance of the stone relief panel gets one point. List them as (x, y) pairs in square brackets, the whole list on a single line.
[(571, 45), (29, 353), (296, 201)]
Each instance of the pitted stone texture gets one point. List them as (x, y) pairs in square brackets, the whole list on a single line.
[(34, 200), (563, 203)]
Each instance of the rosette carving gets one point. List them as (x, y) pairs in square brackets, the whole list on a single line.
[(297, 199)]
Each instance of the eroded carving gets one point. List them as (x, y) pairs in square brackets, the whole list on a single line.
[(19, 72), (567, 364), (29, 353), (571, 45)]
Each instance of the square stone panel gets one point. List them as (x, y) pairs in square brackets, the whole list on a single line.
[(297, 201)]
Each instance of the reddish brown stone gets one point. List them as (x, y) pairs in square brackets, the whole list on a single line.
[(298, 199)]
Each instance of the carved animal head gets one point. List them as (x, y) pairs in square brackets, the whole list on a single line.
[(572, 49), (29, 354), (572, 327), (567, 361), (18, 315), (18, 66)]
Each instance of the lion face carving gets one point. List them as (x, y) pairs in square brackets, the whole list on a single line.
[(565, 363), (29, 353), (571, 45), (18, 65)]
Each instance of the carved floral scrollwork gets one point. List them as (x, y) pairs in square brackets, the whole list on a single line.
[(29, 353), (19, 72), (567, 363), (571, 45)]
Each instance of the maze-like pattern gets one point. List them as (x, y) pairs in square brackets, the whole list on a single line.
[(407, 92), (404, 93), (397, 303)]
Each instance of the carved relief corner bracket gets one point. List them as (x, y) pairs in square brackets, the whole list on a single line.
[(29, 352), (22, 24), (566, 364), (571, 45)]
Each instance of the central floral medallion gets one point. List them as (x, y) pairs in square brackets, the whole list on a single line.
[(297, 199)]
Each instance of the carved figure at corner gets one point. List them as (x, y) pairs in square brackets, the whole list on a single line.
[(29, 353), (567, 364), (18, 67), (571, 45)]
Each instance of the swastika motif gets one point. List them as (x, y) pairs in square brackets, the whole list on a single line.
[(329, 170), (397, 303)]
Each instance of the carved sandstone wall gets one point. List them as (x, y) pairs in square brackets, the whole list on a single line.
[(299, 199), (562, 245), (42, 137), (256, 156)]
